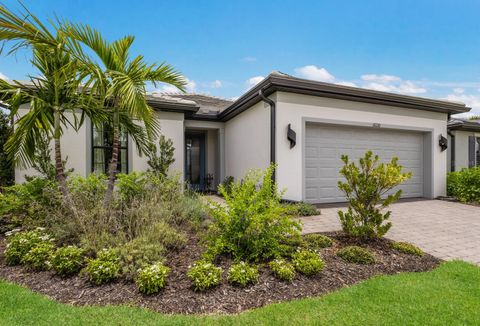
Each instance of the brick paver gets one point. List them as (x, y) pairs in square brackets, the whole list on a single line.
[(444, 229)]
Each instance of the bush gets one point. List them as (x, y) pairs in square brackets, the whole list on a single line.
[(304, 209), (252, 224), (226, 185), (464, 185), (242, 274), (160, 164), (307, 262), (318, 241), (39, 258), (105, 268), (407, 248), (282, 269), (20, 243), (357, 255), (365, 188), (204, 275), (68, 260), (153, 278)]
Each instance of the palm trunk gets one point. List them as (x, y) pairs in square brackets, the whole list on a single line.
[(112, 168), (59, 168)]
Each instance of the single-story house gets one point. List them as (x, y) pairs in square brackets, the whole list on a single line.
[(464, 144), (303, 126)]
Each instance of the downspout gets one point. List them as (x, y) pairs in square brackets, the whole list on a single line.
[(273, 128), (452, 150)]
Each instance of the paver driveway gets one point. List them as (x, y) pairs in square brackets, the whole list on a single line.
[(444, 229)]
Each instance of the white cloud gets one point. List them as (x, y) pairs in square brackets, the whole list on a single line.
[(190, 87), (253, 81), (459, 90), (249, 59), (4, 77), (215, 84), (314, 73), (470, 100), (347, 83), (380, 78)]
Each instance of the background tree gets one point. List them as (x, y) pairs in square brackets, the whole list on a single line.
[(6, 167), (162, 158), (120, 80)]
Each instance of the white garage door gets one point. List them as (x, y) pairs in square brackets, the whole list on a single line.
[(324, 145)]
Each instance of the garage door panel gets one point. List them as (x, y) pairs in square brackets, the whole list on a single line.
[(325, 144)]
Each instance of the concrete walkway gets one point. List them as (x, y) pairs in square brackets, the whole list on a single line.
[(444, 229)]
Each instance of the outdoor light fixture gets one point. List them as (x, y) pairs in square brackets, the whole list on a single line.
[(291, 136), (443, 143)]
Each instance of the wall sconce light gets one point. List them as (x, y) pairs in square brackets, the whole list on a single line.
[(291, 136), (443, 143)]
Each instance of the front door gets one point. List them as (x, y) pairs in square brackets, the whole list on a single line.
[(195, 160)]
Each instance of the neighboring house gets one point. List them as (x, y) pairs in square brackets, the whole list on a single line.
[(464, 144), (304, 126)]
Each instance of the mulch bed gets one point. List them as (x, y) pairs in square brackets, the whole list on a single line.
[(178, 296)]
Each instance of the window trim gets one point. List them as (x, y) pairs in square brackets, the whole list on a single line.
[(93, 147)]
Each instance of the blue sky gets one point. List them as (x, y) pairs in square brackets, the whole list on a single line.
[(424, 48)]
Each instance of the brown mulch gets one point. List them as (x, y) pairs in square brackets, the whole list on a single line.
[(178, 296)]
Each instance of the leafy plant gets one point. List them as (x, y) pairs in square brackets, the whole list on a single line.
[(304, 209), (407, 248), (318, 241), (204, 275), (307, 262), (105, 268), (227, 184), (357, 255), (20, 243), (365, 187), (39, 258), (153, 278), (282, 269), (160, 163), (252, 224), (465, 185), (68, 260), (242, 274)]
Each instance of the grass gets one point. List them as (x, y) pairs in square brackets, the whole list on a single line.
[(449, 295)]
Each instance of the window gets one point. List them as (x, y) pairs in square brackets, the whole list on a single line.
[(102, 139)]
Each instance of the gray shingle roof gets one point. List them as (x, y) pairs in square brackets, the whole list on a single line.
[(208, 105)]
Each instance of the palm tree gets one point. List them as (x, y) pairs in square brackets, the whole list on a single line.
[(120, 80), (54, 96)]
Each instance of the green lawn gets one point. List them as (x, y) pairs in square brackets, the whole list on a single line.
[(449, 295)]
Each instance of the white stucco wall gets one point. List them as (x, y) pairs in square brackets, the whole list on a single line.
[(171, 126), (296, 109), (461, 148), (247, 141), (74, 149)]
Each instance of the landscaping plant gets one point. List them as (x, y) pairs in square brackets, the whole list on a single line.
[(251, 225), (464, 185), (318, 241), (160, 162), (39, 258), (307, 262), (366, 187), (304, 209), (153, 278), (68, 260), (105, 268), (282, 269), (356, 255), (407, 248), (204, 275), (20, 243), (242, 274)]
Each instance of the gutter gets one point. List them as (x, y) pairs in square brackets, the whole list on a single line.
[(273, 127)]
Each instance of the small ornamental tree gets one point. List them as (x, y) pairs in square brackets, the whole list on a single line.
[(161, 163), (367, 187)]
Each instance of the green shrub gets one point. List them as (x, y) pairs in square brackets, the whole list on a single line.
[(464, 185), (68, 260), (365, 188), (304, 209), (160, 164), (251, 224), (204, 275), (39, 258), (318, 241), (153, 278), (357, 255), (105, 268), (282, 269), (242, 274), (87, 192), (20, 243), (407, 248), (307, 262), (227, 184), (131, 185)]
